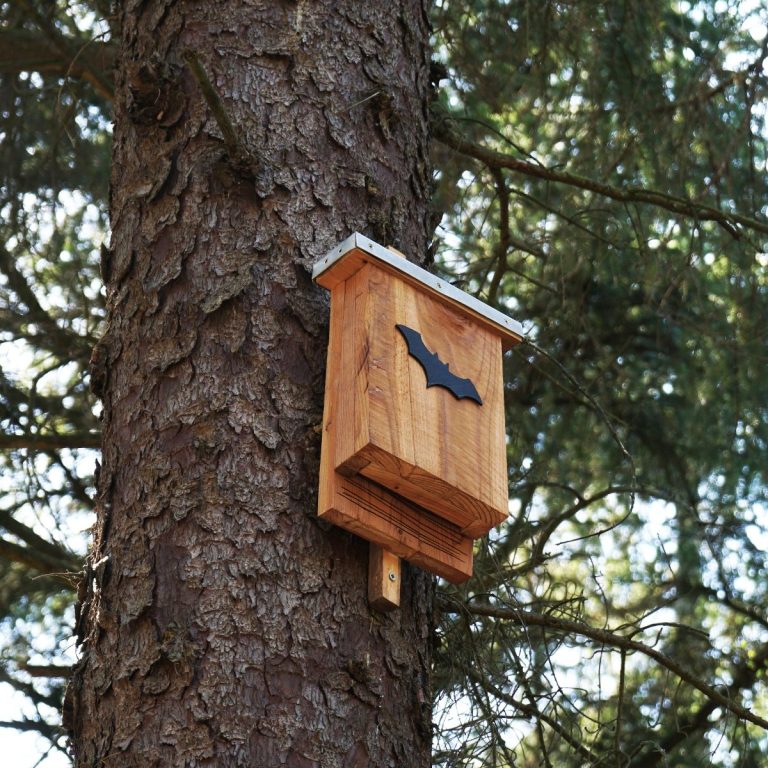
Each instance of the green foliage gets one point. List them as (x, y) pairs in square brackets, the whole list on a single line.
[(54, 156), (637, 419)]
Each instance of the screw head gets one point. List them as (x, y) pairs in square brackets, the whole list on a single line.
[(392, 576)]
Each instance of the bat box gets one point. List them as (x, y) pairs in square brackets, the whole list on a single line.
[(414, 447)]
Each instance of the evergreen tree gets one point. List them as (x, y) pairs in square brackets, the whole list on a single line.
[(599, 175)]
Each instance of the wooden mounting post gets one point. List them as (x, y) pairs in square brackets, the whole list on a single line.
[(383, 566), (383, 579)]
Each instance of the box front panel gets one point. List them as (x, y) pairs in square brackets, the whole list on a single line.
[(413, 435)]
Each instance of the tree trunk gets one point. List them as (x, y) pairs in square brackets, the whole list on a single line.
[(223, 624)]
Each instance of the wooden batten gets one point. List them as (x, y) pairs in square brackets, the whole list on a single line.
[(383, 579)]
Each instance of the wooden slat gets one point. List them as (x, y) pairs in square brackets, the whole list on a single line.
[(383, 579), (404, 529)]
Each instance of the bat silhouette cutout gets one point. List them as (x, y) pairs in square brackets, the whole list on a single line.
[(436, 370)]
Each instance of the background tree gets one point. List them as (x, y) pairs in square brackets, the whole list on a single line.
[(601, 180), (54, 156), (600, 168)]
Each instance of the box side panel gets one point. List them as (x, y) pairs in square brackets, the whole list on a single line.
[(351, 399), (330, 400)]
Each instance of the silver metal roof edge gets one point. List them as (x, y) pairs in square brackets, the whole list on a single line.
[(380, 253)]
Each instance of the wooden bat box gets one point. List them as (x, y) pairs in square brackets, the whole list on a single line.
[(414, 449)]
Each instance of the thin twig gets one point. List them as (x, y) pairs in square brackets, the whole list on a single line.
[(598, 409), (502, 246), (609, 638)]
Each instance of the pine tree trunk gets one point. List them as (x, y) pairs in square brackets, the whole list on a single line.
[(223, 624)]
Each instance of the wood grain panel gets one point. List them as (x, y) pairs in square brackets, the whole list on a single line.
[(415, 534), (444, 454), (361, 506)]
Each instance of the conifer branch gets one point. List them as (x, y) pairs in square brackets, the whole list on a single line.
[(54, 554), (35, 559), (50, 442), (444, 132), (72, 54), (611, 639), (50, 671)]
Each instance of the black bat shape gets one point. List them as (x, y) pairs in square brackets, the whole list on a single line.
[(435, 369)]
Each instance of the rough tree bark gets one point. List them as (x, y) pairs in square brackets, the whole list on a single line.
[(221, 623)]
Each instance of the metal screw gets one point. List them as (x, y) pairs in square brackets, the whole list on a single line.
[(392, 576)]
